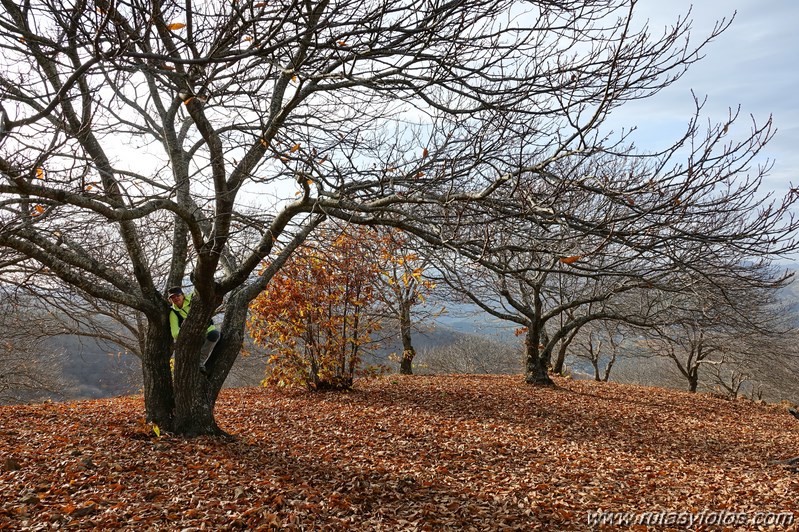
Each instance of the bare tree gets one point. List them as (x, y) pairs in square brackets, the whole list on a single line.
[(29, 371), (549, 318), (209, 137), (637, 250), (771, 364), (689, 345), (736, 340), (729, 379), (719, 327), (602, 344), (403, 289)]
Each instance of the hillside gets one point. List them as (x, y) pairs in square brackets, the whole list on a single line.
[(88, 369), (92, 370), (414, 453)]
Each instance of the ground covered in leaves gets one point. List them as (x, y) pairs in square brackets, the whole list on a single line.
[(402, 453)]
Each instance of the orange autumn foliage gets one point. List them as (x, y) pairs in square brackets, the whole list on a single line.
[(315, 315)]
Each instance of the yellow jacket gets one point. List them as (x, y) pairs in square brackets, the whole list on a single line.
[(177, 315)]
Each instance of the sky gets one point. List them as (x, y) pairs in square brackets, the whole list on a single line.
[(753, 64)]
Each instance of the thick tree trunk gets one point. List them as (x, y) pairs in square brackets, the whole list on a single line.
[(406, 364), (536, 370), (182, 403), (408, 352), (159, 398), (195, 393), (194, 406), (693, 382), (185, 404)]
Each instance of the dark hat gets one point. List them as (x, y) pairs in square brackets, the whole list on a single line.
[(174, 291)]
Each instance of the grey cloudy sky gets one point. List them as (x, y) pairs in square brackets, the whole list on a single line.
[(753, 64)]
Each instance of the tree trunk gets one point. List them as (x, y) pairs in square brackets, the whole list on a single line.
[(229, 346), (595, 363), (563, 348), (159, 398), (560, 360), (693, 381), (194, 405), (184, 404), (406, 364), (195, 393), (408, 352), (609, 367), (536, 371)]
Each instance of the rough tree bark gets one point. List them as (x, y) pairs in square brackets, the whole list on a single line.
[(159, 397), (537, 358)]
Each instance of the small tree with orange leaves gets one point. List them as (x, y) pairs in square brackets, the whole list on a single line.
[(316, 315), (403, 287)]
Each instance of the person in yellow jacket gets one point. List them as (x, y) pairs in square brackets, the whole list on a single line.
[(181, 303)]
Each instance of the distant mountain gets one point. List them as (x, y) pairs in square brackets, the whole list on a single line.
[(94, 369)]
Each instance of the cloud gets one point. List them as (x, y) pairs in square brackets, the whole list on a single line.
[(751, 64)]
